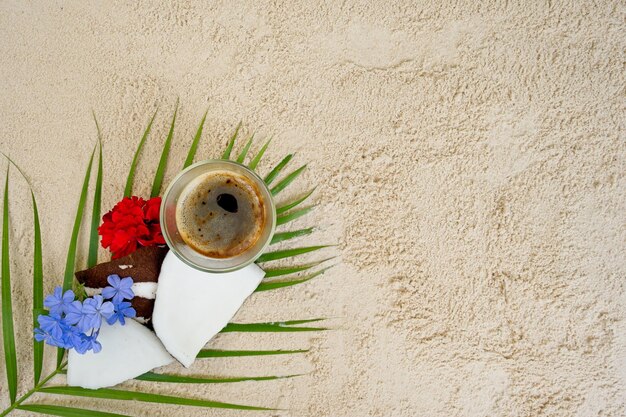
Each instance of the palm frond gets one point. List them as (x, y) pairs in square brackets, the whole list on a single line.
[(231, 143), (217, 353), (160, 172), (277, 169), (288, 253), (287, 180), (194, 145), (283, 236), (128, 190), (272, 327), (275, 272), (293, 204), (92, 258), (244, 152), (115, 394), (182, 379), (38, 348), (289, 217), (257, 158), (57, 410), (274, 285), (8, 333)]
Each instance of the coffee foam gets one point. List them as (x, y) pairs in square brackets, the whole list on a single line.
[(213, 231)]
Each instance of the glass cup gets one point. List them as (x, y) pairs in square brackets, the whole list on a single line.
[(170, 228)]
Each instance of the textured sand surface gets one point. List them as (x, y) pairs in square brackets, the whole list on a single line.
[(470, 160)]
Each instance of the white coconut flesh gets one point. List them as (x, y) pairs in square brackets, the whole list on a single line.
[(192, 306), (127, 352)]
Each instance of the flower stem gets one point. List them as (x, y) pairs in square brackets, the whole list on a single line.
[(34, 390)]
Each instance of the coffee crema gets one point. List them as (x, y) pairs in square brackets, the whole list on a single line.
[(220, 214)]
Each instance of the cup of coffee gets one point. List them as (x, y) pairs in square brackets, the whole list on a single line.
[(218, 216)]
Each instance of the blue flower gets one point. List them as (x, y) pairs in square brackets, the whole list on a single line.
[(53, 330), (83, 343), (58, 301), (88, 314), (119, 289), (122, 310)]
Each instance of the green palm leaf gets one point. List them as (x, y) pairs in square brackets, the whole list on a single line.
[(160, 172), (244, 152), (128, 190), (288, 253), (181, 379), (272, 327), (57, 410), (37, 289), (216, 353), (194, 145), (255, 161), (273, 285), (281, 237), (114, 394), (92, 258), (294, 203), (287, 180), (231, 143), (275, 272), (70, 263), (289, 217), (37, 276), (277, 169), (8, 334)]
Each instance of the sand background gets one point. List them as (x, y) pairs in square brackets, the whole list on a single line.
[(469, 160)]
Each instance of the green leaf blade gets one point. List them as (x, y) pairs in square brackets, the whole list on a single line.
[(288, 253), (255, 161), (115, 394), (283, 236), (194, 144), (38, 347), (128, 190), (289, 217), (275, 272), (92, 258), (8, 333), (277, 169), (289, 206), (274, 285), (244, 152), (231, 143), (287, 180), (160, 172), (272, 327), (183, 379), (57, 410), (216, 353)]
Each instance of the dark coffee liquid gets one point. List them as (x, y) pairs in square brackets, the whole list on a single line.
[(220, 214)]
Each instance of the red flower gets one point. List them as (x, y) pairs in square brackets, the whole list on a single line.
[(132, 221)]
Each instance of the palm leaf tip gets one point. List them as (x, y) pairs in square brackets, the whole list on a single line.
[(8, 333), (160, 172), (244, 152), (118, 394), (288, 253), (231, 143), (128, 189), (257, 158), (194, 144), (277, 169), (287, 180)]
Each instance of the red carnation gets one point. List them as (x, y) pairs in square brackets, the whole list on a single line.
[(132, 221)]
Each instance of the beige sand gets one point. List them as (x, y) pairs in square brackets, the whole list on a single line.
[(469, 160)]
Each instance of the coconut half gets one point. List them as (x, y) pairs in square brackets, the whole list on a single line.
[(127, 352), (193, 306)]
